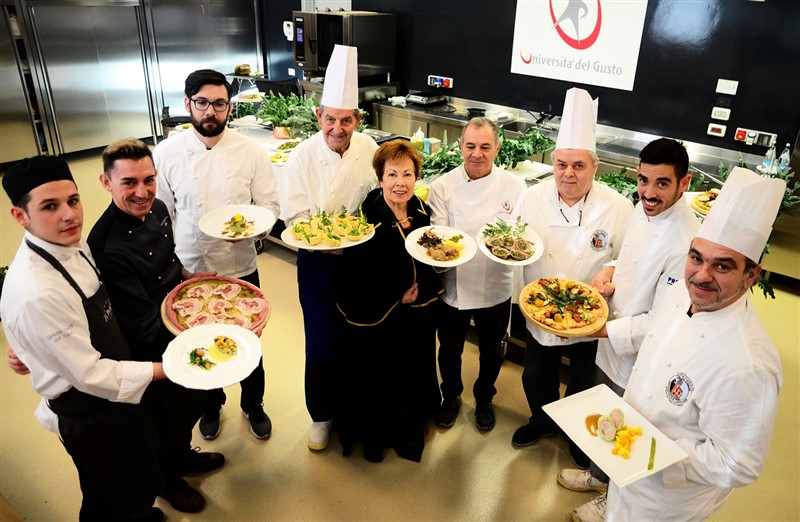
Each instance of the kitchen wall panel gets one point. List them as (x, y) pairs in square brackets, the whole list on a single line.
[(686, 47)]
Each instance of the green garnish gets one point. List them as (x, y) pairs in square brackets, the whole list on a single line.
[(651, 464)]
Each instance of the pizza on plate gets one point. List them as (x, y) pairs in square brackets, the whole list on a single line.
[(216, 299), (563, 306), (703, 202)]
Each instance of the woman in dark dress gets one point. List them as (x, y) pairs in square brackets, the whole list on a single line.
[(389, 302)]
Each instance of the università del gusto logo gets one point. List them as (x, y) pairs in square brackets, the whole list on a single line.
[(575, 13)]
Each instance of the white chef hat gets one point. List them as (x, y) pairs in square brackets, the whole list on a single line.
[(744, 212), (341, 79), (578, 121)]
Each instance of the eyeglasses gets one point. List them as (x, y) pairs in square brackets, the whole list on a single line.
[(202, 104)]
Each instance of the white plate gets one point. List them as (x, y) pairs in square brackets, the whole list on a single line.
[(213, 222), (274, 147), (420, 253), (689, 196), (529, 234), (289, 239), (225, 373), (570, 414), (238, 97)]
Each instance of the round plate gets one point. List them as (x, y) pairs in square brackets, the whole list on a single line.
[(213, 222), (173, 324), (529, 234), (278, 159), (583, 331), (289, 239), (224, 373), (276, 146), (420, 253)]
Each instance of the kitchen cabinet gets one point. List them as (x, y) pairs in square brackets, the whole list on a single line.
[(19, 109), (406, 121)]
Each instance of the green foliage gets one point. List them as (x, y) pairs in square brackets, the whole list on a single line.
[(530, 142), (278, 109), (444, 160), (242, 109), (618, 181)]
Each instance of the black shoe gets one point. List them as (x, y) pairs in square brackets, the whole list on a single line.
[(182, 496), (260, 425), (196, 461), (529, 434), (447, 412), (580, 458), (484, 416), (209, 425), (152, 514)]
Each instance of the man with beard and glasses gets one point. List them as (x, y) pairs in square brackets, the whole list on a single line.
[(651, 260), (706, 336), (199, 170)]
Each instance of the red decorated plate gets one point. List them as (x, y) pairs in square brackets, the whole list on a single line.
[(215, 300)]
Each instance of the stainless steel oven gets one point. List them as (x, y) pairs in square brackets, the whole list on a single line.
[(316, 33)]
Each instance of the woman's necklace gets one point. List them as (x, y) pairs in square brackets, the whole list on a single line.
[(405, 223)]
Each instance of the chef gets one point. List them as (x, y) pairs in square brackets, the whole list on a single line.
[(582, 224), (651, 260), (467, 198), (57, 317), (330, 170), (204, 168), (707, 341)]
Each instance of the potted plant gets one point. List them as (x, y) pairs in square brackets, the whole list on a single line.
[(277, 109)]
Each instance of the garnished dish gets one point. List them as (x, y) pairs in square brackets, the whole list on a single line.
[(510, 242), (237, 222), (287, 146), (329, 230), (215, 300), (441, 249), (278, 158), (440, 246), (212, 356), (612, 428), (238, 227), (564, 307), (703, 202), (610, 436)]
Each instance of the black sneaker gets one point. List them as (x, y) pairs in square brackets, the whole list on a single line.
[(209, 425), (484, 416), (529, 434), (182, 496), (196, 461), (260, 425), (447, 412)]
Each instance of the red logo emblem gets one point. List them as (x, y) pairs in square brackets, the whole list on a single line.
[(575, 10)]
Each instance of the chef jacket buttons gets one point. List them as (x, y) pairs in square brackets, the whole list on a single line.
[(580, 257), (616, 313), (649, 395), (130, 231), (702, 335), (149, 253)]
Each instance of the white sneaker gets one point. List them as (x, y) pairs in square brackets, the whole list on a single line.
[(594, 511), (318, 435), (580, 480)]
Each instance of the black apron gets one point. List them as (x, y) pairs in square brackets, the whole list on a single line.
[(110, 442)]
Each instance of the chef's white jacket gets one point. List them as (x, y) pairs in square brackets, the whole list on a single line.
[(318, 178), (730, 372), (45, 322), (572, 251), (468, 205), (193, 181), (652, 259)]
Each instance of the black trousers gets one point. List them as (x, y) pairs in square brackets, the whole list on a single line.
[(540, 378), (491, 325), (113, 447), (252, 385)]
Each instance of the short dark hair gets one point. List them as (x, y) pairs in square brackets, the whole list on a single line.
[(128, 148), (196, 80), (396, 150), (665, 151), (479, 122)]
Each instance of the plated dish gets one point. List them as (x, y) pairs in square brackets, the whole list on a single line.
[(563, 307), (570, 414), (212, 356), (440, 246), (702, 202), (215, 300), (510, 243), (329, 231), (217, 223), (285, 146)]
